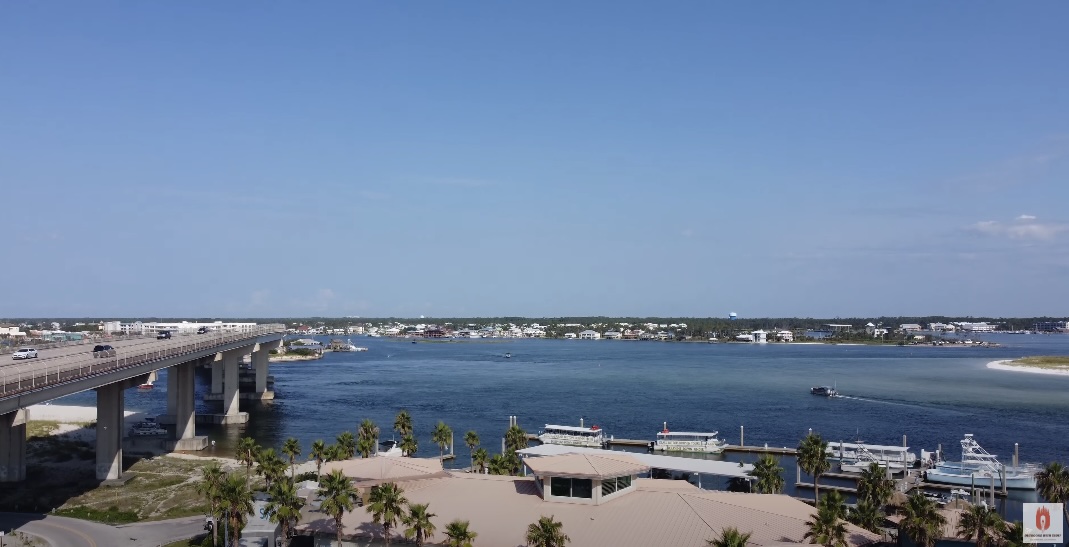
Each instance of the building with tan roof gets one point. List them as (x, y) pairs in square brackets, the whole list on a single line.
[(371, 471), (634, 511)]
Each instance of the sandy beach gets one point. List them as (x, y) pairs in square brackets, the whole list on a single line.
[(1005, 365), (72, 414)]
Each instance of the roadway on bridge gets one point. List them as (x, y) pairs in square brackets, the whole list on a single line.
[(86, 349)]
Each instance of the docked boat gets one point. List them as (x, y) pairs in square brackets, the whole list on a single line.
[(688, 441), (824, 391), (981, 468), (591, 437), (856, 457), (389, 449), (147, 428)]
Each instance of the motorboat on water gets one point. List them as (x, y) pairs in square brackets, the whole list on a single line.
[(389, 449), (687, 441), (508, 356), (980, 467), (824, 391), (591, 437), (147, 428), (146, 386)]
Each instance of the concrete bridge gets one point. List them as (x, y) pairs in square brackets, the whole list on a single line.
[(74, 369)]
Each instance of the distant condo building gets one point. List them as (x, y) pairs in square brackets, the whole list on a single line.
[(977, 327), (1051, 326), (184, 327)]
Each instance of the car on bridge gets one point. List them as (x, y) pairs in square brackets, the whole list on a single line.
[(25, 353), (163, 335), (103, 351)]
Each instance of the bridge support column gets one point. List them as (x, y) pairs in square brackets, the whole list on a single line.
[(110, 414), (259, 362), (172, 390), (13, 446), (185, 416), (230, 383), (217, 375)]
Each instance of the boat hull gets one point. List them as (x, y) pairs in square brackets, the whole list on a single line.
[(703, 449), (571, 442), (1015, 482)]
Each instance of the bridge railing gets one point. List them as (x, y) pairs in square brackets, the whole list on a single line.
[(28, 375)]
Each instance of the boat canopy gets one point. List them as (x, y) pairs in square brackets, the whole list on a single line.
[(592, 430), (870, 447), (668, 434)]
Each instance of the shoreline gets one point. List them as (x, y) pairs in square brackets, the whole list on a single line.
[(1004, 364)]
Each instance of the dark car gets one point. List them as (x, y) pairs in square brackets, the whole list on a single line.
[(163, 335), (103, 351), (203, 330)]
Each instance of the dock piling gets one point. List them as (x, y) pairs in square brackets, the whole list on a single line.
[(742, 436)]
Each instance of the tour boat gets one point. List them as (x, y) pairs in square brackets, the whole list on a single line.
[(686, 441), (856, 457), (824, 391), (981, 468), (592, 437), (389, 449)]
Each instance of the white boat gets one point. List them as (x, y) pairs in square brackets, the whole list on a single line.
[(146, 386), (688, 441), (592, 437), (981, 468), (858, 456), (348, 346), (146, 428), (389, 449)]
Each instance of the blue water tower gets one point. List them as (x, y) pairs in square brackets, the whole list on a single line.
[(733, 316)]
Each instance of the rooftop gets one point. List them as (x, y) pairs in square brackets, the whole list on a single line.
[(586, 465), (382, 469), (675, 463), (657, 512)]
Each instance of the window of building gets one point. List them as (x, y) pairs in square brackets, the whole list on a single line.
[(571, 488), (609, 486)]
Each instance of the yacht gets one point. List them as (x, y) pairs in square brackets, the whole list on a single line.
[(389, 449), (979, 467), (145, 386), (824, 391), (147, 427), (687, 441), (591, 437)]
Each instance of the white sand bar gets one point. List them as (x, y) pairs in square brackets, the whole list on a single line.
[(1005, 365)]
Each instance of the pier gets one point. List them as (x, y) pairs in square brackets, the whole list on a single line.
[(629, 442)]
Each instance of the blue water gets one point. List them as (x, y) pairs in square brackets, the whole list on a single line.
[(932, 395)]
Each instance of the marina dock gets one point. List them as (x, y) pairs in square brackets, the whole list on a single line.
[(629, 442), (784, 451), (827, 487)]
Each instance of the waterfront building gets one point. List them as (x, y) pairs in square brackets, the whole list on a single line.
[(785, 336), (977, 327), (589, 335), (1051, 326), (183, 327), (760, 336), (613, 335), (599, 500), (910, 327)]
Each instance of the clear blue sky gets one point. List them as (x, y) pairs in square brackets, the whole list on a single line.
[(537, 158)]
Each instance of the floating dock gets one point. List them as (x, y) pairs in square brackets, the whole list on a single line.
[(629, 442), (784, 451)]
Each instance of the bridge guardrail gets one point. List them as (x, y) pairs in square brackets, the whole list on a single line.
[(27, 375)]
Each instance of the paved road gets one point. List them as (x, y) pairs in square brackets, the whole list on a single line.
[(64, 532), (46, 356)]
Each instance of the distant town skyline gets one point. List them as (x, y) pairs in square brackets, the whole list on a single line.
[(536, 160)]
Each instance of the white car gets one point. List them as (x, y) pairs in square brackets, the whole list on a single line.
[(25, 353)]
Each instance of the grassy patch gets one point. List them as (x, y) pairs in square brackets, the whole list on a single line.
[(1043, 361), (111, 515), (40, 428)]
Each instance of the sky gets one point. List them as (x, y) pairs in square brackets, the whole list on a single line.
[(812, 159)]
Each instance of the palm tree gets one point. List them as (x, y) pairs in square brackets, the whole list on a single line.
[(471, 438), (270, 466), (835, 503), (921, 520), (418, 520), (236, 500), (459, 535), (292, 449), (441, 436), (867, 515), (212, 477), (246, 452), (515, 439), (768, 474), (334, 453), (826, 527), (813, 459), (480, 458), (1013, 535), (402, 424), (319, 454), (983, 523), (338, 498), (409, 445), (730, 537), (386, 506), (346, 444), (874, 486), (1053, 484), (499, 464), (547, 532), (284, 506), (367, 438)]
